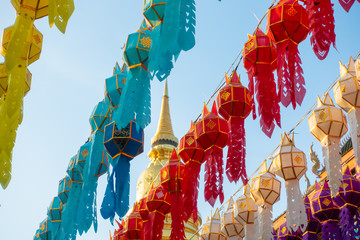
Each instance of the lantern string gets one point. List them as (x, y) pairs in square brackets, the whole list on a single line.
[(269, 157)]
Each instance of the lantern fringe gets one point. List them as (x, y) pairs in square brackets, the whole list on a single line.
[(157, 224), (177, 216), (213, 175), (268, 102), (348, 218), (354, 120), (322, 26), (60, 12), (186, 37), (235, 164), (347, 4), (331, 153), (191, 190), (296, 214), (147, 226), (330, 230), (107, 209), (250, 231), (265, 221), (310, 236)]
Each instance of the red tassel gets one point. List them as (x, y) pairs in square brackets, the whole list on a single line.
[(177, 216), (347, 4), (322, 26), (251, 74), (191, 189), (146, 232), (156, 220)]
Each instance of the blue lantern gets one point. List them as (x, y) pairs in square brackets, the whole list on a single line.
[(100, 116), (37, 235), (103, 164), (44, 229), (127, 142), (154, 11), (64, 189), (114, 86), (73, 172), (136, 53), (82, 157), (55, 209)]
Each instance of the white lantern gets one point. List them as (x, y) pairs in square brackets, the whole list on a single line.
[(230, 227), (328, 124), (289, 163), (211, 229), (357, 69)]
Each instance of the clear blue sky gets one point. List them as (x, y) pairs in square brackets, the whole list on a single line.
[(68, 81)]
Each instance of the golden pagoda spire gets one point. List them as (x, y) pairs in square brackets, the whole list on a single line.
[(164, 133)]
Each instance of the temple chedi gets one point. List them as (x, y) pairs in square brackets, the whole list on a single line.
[(162, 145)]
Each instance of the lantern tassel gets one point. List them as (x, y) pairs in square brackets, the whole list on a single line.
[(348, 217), (186, 37), (107, 209), (250, 231), (251, 73), (235, 165), (296, 214), (331, 153), (354, 120), (191, 189), (177, 216), (322, 26), (147, 226), (122, 184), (330, 230), (265, 222), (157, 225), (346, 4)]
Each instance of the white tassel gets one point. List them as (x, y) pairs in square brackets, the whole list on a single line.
[(331, 153), (295, 214), (354, 120), (250, 232), (266, 224)]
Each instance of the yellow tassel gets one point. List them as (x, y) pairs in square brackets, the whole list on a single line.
[(65, 9), (51, 12)]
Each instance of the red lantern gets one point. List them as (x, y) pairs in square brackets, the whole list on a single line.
[(144, 214), (133, 224), (211, 132), (259, 54), (193, 155), (347, 4), (158, 204), (171, 176), (288, 25), (235, 104), (120, 234)]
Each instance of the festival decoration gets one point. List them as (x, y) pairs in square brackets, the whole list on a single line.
[(212, 228), (211, 132), (144, 214), (321, 26), (313, 227), (285, 233), (245, 212), (64, 189), (171, 178), (60, 13), (154, 11), (288, 26), (357, 68), (235, 104), (265, 189), (114, 86), (346, 92), (133, 225), (324, 210), (348, 200), (347, 4), (259, 54), (289, 163), (193, 155), (35, 8), (45, 229), (327, 124), (158, 204), (54, 213), (230, 227)]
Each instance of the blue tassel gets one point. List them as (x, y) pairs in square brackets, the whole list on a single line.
[(186, 37), (107, 209), (122, 174)]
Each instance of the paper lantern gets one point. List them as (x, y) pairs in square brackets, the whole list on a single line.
[(211, 132), (193, 155), (33, 45), (259, 54), (313, 227), (346, 4), (133, 225), (288, 25), (154, 11), (325, 211), (285, 233), (230, 227), (100, 117), (328, 124), (114, 86), (73, 172), (35, 8), (357, 68), (211, 229), (4, 78), (265, 189), (37, 235), (235, 104), (245, 211), (55, 209), (289, 163), (346, 92), (82, 157), (103, 165), (119, 233), (45, 230), (127, 142), (137, 49), (64, 189)]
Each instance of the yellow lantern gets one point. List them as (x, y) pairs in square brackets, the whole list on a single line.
[(230, 227), (34, 8), (328, 124), (211, 229), (265, 189), (4, 80), (289, 163), (32, 48), (357, 68), (245, 211)]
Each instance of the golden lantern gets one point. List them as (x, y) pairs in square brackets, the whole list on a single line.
[(245, 210), (230, 227), (265, 189), (328, 124), (34, 8), (211, 229), (346, 92), (357, 68), (33, 44), (289, 163), (4, 80)]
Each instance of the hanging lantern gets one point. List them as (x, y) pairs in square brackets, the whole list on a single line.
[(83, 157), (245, 212), (289, 163), (45, 230), (235, 104), (275, 236), (265, 189), (211, 132), (133, 224), (346, 92), (348, 200), (193, 155), (230, 227), (325, 211), (119, 234), (100, 117), (4, 78), (288, 26), (37, 235), (285, 233), (259, 54), (347, 4), (328, 124), (36, 8), (73, 172), (158, 204), (144, 214), (313, 227), (64, 189), (114, 86), (357, 68), (212, 228), (54, 213), (154, 11), (137, 49)]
